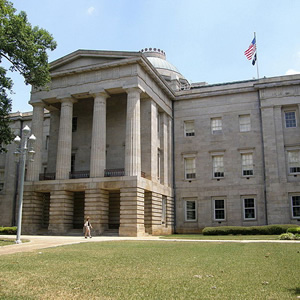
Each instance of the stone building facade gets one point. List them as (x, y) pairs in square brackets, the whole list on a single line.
[(124, 138)]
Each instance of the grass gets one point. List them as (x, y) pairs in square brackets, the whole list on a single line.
[(220, 237), (153, 270), (5, 242)]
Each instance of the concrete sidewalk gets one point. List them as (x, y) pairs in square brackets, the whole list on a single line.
[(37, 242)]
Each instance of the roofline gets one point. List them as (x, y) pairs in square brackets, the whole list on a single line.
[(235, 87), (128, 58), (91, 53)]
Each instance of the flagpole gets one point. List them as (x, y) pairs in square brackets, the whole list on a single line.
[(256, 57)]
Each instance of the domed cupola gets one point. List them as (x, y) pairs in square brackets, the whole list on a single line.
[(157, 58)]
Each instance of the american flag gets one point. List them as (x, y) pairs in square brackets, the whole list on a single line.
[(251, 50)]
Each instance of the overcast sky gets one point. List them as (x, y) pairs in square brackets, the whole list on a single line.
[(204, 39)]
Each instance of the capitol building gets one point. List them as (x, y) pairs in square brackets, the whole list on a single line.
[(124, 138)]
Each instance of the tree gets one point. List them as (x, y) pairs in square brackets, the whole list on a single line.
[(24, 47)]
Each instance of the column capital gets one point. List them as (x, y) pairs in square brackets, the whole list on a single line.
[(99, 93), (134, 89), (67, 99), (38, 104)]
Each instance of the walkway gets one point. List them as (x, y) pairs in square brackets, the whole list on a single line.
[(37, 242)]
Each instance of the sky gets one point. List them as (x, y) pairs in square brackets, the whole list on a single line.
[(204, 39)]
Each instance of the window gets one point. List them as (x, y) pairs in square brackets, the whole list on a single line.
[(190, 210), (219, 209), (294, 161), (249, 208), (247, 164), (74, 124), (290, 119), (295, 206), (216, 125), (190, 168), (245, 123), (218, 166), (189, 128)]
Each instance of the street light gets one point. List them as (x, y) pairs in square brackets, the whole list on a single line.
[(20, 154)]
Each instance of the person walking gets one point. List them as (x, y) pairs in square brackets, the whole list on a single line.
[(87, 226)]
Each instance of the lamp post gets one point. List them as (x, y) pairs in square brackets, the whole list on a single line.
[(20, 154)]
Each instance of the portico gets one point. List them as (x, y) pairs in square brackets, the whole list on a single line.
[(105, 137)]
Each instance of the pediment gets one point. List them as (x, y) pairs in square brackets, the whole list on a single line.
[(86, 58)]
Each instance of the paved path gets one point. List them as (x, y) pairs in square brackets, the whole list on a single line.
[(37, 242)]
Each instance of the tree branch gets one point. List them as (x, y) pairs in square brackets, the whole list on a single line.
[(3, 55)]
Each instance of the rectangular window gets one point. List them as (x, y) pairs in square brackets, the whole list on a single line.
[(247, 164), (245, 123), (190, 210), (290, 119), (190, 168), (219, 209), (216, 125), (218, 166), (294, 161), (189, 128), (249, 208), (74, 124), (296, 206)]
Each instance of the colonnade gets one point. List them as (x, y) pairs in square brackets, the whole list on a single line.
[(98, 141)]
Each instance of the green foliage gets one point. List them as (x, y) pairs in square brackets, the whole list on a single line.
[(24, 47), (287, 236), (294, 230), (251, 230), (8, 230)]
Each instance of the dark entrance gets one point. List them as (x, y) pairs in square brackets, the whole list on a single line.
[(45, 210), (114, 210), (78, 215)]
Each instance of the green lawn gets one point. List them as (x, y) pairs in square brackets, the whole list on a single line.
[(220, 237), (153, 270), (5, 242)]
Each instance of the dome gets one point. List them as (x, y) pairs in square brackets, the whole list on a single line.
[(157, 58)]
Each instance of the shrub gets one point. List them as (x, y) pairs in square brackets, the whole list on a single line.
[(287, 236), (8, 230), (294, 230), (250, 230), (297, 236)]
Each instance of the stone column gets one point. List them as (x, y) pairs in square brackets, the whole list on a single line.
[(96, 206), (64, 147), (133, 134), (170, 152), (154, 141), (132, 212), (34, 167), (164, 146), (98, 145)]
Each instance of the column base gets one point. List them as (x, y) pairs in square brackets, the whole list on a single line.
[(132, 230)]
